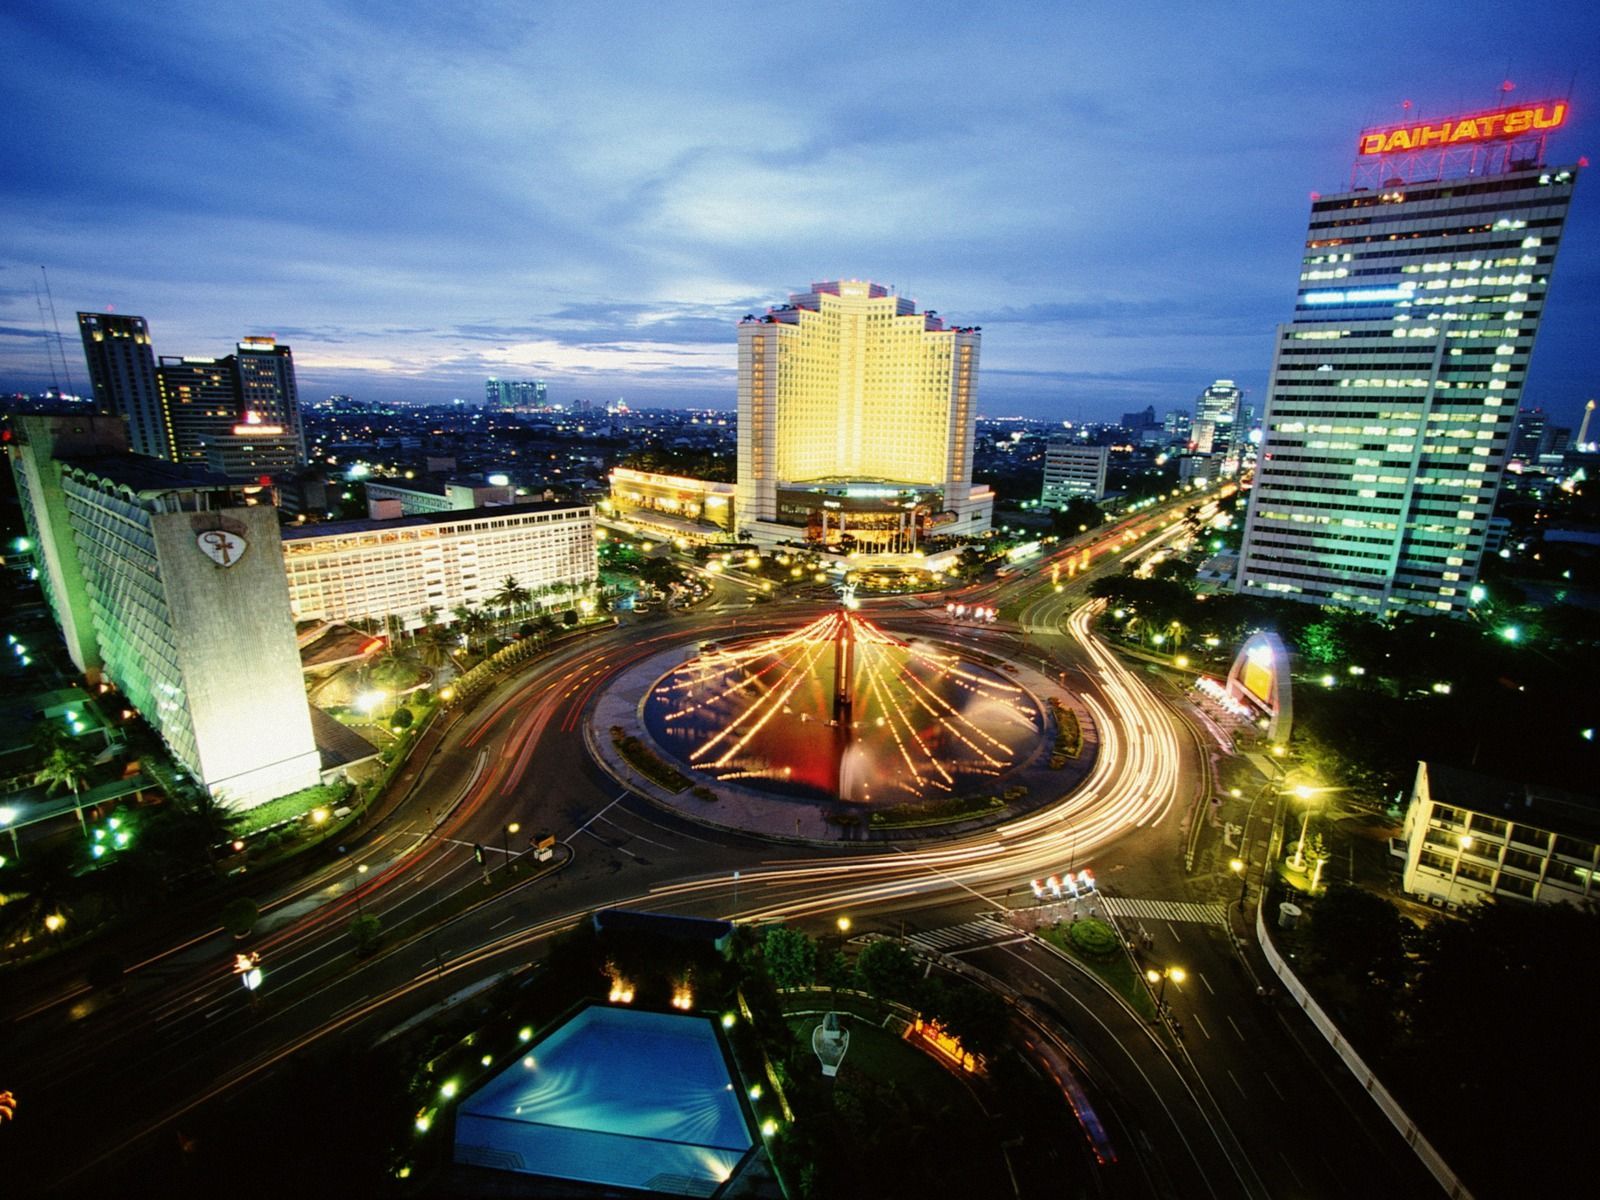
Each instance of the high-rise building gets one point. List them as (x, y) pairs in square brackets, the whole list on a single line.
[(1527, 438), (167, 582), (1395, 388), (856, 421), (122, 374), (1218, 406), (1179, 427), (514, 393), (1073, 471), (238, 415)]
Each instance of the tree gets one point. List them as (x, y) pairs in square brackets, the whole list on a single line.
[(791, 957), (1359, 935), (65, 766), (569, 618), (888, 971), (511, 596), (401, 718)]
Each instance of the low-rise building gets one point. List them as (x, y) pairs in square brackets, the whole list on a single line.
[(375, 570), (388, 498), (1471, 837)]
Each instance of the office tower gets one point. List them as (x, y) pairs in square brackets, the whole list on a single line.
[(514, 393), (856, 421), (166, 582), (1394, 389), (1072, 471), (1179, 426), (122, 374), (1527, 438), (238, 415), (1218, 406)]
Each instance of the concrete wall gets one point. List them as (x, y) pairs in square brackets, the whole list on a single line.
[(237, 654)]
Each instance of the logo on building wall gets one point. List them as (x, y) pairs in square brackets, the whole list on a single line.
[(221, 547)]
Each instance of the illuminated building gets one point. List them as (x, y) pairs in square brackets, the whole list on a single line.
[(122, 374), (387, 498), (165, 581), (1395, 388), (238, 415), (673, 505), (1217, 418), (349, 570), (1073, 471), (1471, 838), (856, 422), (514, 393)]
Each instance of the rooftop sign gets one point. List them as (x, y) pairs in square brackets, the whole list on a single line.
[(1497, 125)]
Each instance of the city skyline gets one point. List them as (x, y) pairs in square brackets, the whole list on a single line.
[(1119, 204)]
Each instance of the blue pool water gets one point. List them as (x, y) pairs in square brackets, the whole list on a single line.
[(631, 1099)]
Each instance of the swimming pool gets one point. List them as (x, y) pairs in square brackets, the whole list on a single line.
[(630, 1099)]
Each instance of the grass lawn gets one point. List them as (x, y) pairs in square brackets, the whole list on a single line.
[(941, 1120), (1116, 970)]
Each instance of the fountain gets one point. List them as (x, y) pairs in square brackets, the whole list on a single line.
[(840, 710)]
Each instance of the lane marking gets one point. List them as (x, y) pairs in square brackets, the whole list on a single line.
[(1273, 1086), (1237, 1084), (1209, 988), (1195, 1017), (1236, 1028)]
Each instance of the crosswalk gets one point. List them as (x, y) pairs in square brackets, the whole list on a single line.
[(968, 933), (1164, 910)]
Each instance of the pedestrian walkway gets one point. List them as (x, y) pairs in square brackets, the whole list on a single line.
[(969, 933), (1164, 910)]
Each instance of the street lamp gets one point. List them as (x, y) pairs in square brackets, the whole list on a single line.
[(505, 839), (1237, 867), (1176, 974), (361, 869), (1303, 793)]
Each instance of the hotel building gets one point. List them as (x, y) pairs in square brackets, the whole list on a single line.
[(1073, 471), (1470, 838), (349, 570), (1395, 387), (856, 422), (673, 506), (165, 581), (122, 375), (238, 415)]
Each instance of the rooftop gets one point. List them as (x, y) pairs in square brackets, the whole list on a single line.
[(1532, 803), (294, 533), (149, 475)]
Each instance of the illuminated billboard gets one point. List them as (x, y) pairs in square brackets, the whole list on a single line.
[(1496, 125), (1260, 680)]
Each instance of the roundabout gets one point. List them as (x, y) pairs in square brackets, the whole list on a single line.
[(838, 729)]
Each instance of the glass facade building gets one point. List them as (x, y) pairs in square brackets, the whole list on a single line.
[(1395, 389)]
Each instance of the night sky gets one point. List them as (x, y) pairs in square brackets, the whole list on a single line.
[(415, 197)]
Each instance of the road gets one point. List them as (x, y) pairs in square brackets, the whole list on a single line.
[(1213, 1120)]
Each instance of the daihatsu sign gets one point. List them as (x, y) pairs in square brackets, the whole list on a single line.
[(1494, 126)]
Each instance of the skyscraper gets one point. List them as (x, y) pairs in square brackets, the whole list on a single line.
[(239, 415), (856, 421), (1218, 407), (1527, 439), (1395, 388), (122, 374), (514, 393)]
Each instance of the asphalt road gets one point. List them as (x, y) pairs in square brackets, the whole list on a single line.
[(1237, 1109)]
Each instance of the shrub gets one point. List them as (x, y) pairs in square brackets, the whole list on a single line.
[(1093, 938)]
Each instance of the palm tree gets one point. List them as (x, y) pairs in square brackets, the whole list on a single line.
[(65, 767), (430, 616), (511, 596)]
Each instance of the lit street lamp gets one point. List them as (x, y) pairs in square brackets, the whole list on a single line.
[(1176, 974), (505, 839), (1304, 793), (1237, 866), (361, 869)]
